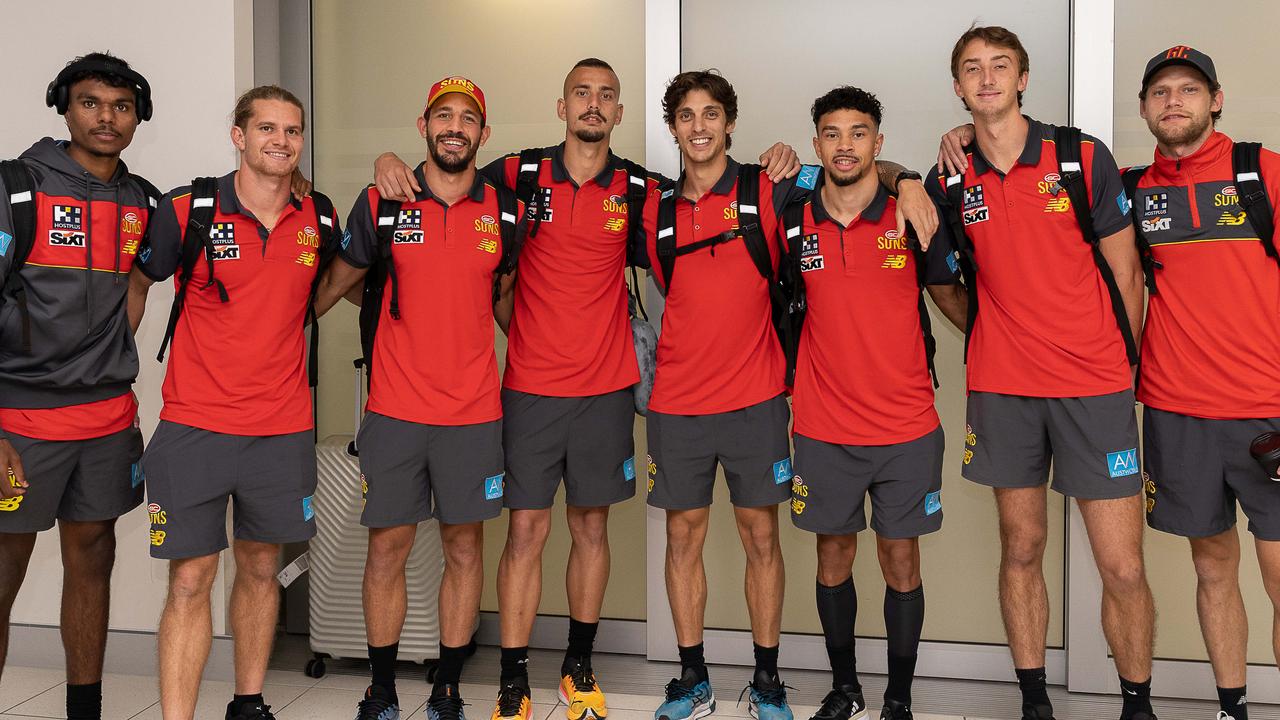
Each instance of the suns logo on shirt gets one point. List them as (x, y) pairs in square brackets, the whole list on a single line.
[(130, 224), (486, 224)]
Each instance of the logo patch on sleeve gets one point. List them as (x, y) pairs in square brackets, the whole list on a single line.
[(308, 511), (808, 177), (782, 471), (1123, 463), (346, 239), (932, 502), (493, 487), (5, 241), (629, 468), (1122, 200)]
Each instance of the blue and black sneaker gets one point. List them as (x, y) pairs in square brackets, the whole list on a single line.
[(378, 704), (688, 698), (445, 703), (768, 698)]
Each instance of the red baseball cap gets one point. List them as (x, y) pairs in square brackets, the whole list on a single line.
[(456, 84)]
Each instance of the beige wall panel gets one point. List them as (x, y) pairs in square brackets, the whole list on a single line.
[(900, 51), (1237, 41), (373, 64)]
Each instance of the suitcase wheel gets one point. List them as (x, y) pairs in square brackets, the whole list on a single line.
[(315, 668)]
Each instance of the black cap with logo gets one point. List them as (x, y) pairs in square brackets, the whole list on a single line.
[(1180, 55)]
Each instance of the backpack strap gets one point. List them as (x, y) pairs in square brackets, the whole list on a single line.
[(954, 212), (791, 281), (1071, 172), (381, 273), (637, 193), (666, 232), (528, 190), (195, 244), (926, 321), (1131, 178), (749, 220), (21, 196), (328, 249), (511, 230), (151, 191), (1246, 165)]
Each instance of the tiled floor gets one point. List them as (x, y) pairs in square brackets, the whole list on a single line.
[(632, 684)]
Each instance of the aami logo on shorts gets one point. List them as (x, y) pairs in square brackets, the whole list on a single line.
[(629, 469), (136, 476), (976, 215), (66, 238), (1156, 224), (308, 511), (782, 471), (932, 502), (493, 487), (67, 217), (1123, 463), (973, 198), (223, 233)]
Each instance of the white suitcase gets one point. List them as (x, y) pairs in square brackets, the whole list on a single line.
[(337, 559)]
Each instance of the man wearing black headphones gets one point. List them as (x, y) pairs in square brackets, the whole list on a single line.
[(71, 221)]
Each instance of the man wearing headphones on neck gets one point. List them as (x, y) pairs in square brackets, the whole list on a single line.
[(71, 221)]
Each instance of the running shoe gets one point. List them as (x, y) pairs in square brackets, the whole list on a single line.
[(688, 698), (445, 703), (513, 703), (894, 710), (580, 693), (378, 704), (842, 703), (249, 711), (768, 698)]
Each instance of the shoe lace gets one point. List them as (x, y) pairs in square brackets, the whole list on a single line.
[(832, 702), (775, 695), (677, 690), (510, 697), (583, 679), (447, 706), (372, 707)]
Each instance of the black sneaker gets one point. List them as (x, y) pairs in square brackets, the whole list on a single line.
[(249, 711), (842, 703), (1143, 715), (445, 703), (378, 704), (1037, 712), (894, 710)]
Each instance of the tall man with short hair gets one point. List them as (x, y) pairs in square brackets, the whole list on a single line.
[(431, 440), (1211, 321), (863, 399), (1048, 376), (69, 439), (237, 417)]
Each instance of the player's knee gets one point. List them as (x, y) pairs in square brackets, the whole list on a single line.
[(1123, 575), (1023, 550), (190, 581), (528, 531), (464, 547), (760, 541), (1215, 563)]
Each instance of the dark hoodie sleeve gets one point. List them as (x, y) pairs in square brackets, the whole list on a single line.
[(162, 251)]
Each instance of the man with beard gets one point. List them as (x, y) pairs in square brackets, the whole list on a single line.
[(568, 409), (69, 441), (863, 399), (1210, 377), (1048, 375), (237, 419), (432, 433)]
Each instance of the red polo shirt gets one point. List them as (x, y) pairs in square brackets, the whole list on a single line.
[(239, 367), (718, 350), (1045, 325), (435, 365), (862, 377), (1211, 345)]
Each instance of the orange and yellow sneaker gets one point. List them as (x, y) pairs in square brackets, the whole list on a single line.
[(580, 694), (513, 703)]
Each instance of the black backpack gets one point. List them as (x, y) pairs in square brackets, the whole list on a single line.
[(534, 197), (1246, 167), (748, 229), (791, 279), (382, 272), (20, 187), (1071, 178), (197, 245)]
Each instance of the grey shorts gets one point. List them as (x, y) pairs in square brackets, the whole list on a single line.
[(76, 480), (411, 472), (1092, 441), (192, 472), (1197, 469), (750, 444), (588, 441), (905, 481)]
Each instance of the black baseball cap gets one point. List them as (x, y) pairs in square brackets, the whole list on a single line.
[(1180, 55)]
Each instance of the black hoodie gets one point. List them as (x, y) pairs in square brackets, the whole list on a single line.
[(76, 279)]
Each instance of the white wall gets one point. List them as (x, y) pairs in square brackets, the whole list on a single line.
[(197, 57)]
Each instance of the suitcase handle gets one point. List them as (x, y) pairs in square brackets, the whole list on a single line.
[(353, 449)]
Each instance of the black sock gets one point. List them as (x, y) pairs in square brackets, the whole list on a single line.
[(1034, 693), (382, 663), (766, 660), (1136, 697), (1231, 700), (837, 610), (582, 636), (692, 660), (515, 665), (84, 702), (903, 620), (449, 667)]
